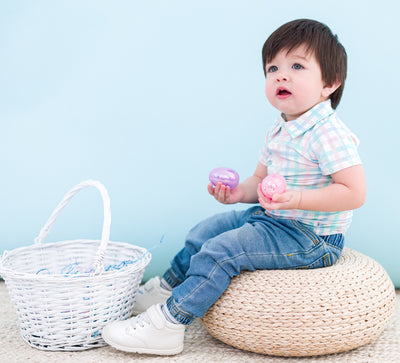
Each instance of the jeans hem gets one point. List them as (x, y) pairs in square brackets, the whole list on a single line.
[(178, 314), (171, 278)]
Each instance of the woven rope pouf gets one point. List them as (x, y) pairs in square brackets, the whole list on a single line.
[(305, 312)]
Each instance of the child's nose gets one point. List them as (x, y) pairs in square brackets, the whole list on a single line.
[(281, 76)]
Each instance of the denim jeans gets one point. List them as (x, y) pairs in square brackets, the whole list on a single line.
[(223, 245)]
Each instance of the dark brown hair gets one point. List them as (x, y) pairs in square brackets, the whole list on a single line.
[(319, 40)]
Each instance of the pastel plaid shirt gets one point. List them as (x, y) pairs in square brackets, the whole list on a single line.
[(306, 151)]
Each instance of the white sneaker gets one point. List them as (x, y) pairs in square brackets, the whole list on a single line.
[(148, 333), (149, 294)]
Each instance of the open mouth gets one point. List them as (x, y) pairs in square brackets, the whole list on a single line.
[(283, 93)]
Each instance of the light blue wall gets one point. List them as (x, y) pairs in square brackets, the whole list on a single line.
[(148, 96)]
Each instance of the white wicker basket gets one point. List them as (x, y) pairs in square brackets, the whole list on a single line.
[(61, 311)]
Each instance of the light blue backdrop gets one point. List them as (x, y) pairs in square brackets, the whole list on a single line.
[(148, 96)]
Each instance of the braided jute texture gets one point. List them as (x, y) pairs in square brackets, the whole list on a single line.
[(305, 312)]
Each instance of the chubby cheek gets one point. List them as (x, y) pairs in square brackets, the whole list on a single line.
[(269, 92)]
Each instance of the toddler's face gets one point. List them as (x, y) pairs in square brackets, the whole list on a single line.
[(294, 82)]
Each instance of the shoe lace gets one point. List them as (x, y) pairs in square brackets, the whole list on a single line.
[(141, 320)]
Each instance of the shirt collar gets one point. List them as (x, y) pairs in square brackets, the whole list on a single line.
[(306, 121)]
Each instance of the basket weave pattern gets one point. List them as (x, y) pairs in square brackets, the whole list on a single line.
[(305, 312), (59, 311)]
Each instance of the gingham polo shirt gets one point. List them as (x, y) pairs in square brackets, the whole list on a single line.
[(306, 151)]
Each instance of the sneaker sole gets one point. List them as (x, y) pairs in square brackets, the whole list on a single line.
[(172, 351)]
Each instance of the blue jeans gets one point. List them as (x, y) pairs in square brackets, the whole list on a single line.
[(223, 245)]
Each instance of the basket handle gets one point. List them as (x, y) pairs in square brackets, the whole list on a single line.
[(105, 236)]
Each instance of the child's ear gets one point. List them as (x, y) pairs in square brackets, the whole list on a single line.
[(329, 89)]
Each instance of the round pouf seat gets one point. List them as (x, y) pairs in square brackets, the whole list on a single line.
[(305, 312)]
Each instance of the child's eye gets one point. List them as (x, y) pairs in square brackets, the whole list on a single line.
[(272, 69), (297, 66)]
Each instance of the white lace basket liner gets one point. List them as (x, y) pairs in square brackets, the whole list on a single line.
[(59, 311)]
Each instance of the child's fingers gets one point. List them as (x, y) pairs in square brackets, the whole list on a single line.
[(281, 198), (227, 192), (210, 189), (222, 192), (214, 190)]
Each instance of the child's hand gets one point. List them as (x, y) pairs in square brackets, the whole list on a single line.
[(289, 200), (224, 194)]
